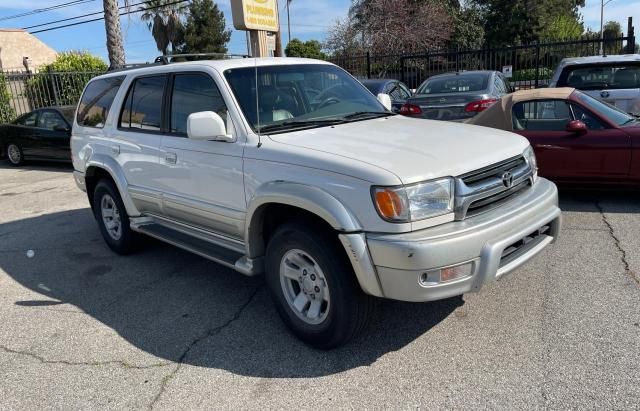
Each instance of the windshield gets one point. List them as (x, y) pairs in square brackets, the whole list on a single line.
[(301, 95), (614, 114), (455, 84)]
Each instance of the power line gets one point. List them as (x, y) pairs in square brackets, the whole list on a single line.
[(102, 18), (50, 8), (78, 17)]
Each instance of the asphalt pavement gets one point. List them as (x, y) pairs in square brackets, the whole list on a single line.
[(82, 328)]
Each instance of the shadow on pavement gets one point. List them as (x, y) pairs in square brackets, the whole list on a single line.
[(180, 307), (611, 200), (52, 166)]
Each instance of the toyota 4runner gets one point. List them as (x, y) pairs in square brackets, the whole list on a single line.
[(291, 168)]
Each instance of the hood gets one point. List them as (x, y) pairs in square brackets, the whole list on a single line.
[(412, 149)]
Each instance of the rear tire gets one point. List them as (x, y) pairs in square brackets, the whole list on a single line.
[(112, 218), (14, 155), (314, 287)]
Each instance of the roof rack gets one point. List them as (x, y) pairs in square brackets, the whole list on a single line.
[(171, 58)]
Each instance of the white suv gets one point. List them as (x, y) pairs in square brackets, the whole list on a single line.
[(290, 167)]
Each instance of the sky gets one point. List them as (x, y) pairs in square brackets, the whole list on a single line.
[(310, 19)]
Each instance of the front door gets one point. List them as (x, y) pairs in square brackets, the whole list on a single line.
[(202, 181), (52, 136), (601, 154)]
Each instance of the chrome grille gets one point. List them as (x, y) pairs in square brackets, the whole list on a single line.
[(484, 189)]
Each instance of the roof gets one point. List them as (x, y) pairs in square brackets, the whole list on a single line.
[(499, 114), (600, 59), (10, 30), (220, 65)]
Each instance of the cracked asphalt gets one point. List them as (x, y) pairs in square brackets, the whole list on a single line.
[(81, 328)]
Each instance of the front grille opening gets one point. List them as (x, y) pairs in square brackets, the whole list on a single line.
[(488, 203), (520, 247), (495, 170)]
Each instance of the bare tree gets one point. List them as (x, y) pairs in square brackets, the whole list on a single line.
[(114, 34)]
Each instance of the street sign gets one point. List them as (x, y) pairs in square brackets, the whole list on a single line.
[(255, 15), (507, 71)]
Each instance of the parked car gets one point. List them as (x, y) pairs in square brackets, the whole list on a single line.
[(455, 96), (41, 134), (577, 138), (334, 198), (614, 79), (397, 90)]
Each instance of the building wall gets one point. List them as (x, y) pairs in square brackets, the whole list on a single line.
[(16, 44)]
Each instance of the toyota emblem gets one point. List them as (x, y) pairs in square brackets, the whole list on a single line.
[(507, 179), (605, 94)]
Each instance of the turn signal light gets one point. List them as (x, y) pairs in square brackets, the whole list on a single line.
[(390, 204), (410, 110), (480, 105)]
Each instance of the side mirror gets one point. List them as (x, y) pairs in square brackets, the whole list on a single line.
[(385, 99), (207, 125), (577, 126), (61, 128)]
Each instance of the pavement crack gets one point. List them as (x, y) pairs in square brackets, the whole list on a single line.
[(618, 244), (210, 333), (43, 360)]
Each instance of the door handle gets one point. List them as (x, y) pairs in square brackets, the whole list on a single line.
[(171, 158), (115, 149)]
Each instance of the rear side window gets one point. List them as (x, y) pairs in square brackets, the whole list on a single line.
[(96, 101), (541, 115), (193, 93), (142, 109), (601, 76)]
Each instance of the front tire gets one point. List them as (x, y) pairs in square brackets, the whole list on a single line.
[(314, 287), (14, 155), (112, 218)]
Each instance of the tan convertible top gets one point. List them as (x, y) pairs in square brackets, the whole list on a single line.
[(499, 115)]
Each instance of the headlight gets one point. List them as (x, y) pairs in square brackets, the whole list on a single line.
[(414, 202), (530, 158)]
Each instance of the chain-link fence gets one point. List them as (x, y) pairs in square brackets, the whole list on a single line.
[(22, 92)]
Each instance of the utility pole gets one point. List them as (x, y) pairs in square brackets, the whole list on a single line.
[(114, 35), (602, 4), (288, 21)]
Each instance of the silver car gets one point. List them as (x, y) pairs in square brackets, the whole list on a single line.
[(613, 79), (456, 96)]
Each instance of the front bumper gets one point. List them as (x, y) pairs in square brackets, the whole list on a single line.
[(398, 261)]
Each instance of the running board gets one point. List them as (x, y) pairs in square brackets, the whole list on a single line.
[(214, 252)]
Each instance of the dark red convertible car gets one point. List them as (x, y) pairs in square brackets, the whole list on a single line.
[(577, 138)]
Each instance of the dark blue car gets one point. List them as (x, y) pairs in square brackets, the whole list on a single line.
[(398, 91)]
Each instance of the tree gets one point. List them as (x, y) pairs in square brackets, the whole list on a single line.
[(164, 20), (612, 30), (61, 82), (310, 49), (114, 35), (469, 32), (344, 39), (205, 30), (562, 27), (7, 113)]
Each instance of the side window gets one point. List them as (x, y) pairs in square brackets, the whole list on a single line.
[(96, 101), (396, 93), (28, 120), (193, 93), (142, 109), (50, 120), (499, 84), (587, 118), (404, 91), (541, 115)]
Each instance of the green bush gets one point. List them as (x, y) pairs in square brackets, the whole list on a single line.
[(7, 113), (61, 82), (530, 74)]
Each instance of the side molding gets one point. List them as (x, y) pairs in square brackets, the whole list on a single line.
[(113, 168)]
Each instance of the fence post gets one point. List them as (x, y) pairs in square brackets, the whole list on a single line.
[(537, 63), (402, 69), (368, 64), (631, 38), (54, 85)]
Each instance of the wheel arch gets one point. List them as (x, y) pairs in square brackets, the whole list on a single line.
[(101, 166)]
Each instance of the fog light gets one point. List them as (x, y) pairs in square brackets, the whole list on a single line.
[(443, 275)]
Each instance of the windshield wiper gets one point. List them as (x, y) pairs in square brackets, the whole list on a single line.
[(300, 123), (371, 114)]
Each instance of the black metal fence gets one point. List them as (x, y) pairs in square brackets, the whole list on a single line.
[(21, 92), (530, 65)]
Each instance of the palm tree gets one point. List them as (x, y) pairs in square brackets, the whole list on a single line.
[(114, 35), (164, 20)]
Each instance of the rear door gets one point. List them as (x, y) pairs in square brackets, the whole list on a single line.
[(602, 154), (615, 83)]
